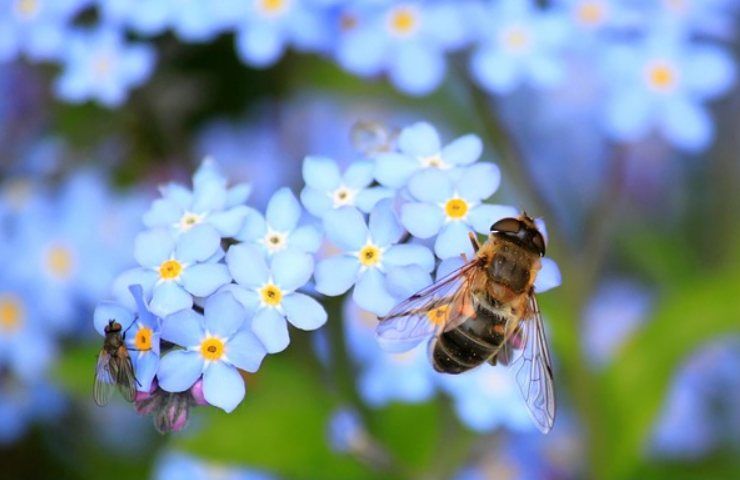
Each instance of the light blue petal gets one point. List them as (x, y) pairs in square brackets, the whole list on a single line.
[(238, 194), (362, 51), (394, 169), (169, 297), (249, 299), (405, 281), (548, 277), (687, 125), (628, 115), (135, 276), (163, 213), (371, 294), (179, 370), (453, 241), (259, 45), (408, 254), (283, 211), (384, 227), (449, 265), (431, 185), (545, 71), (304, 312), (291, 269), (245, 351), (419, 140), (106, 311), (345, 227), (479, 181), (254, 228), (223, 387), (271, 329), (709, 72), (494, 71), (367, 199), (422, 220), (335, 275), (463, 151), (142, 309), (153, 247), (209, 197), (178, 194), (321, 173), (205, 278), (316, 202), (484, 215), (247, 265), (208, 172), (229, 222), (359, 174), (145, 367), (417, 68), (184, 328), (223, 314), (197, 244), (306, 239)]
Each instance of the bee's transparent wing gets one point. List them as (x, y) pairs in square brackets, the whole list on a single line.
[(126, 379), (104, 383), (445, 303), (533, 367)]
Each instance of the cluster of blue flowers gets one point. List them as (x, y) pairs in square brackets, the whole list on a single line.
[(659, 62)]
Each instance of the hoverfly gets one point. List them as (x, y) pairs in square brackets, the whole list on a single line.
[(485, 311), (114, 367)]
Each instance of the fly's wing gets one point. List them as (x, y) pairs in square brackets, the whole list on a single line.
[(443, 305), (530, 356), (104, 380), (125, 379)]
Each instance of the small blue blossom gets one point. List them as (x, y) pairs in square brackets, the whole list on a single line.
[(175, 269), (371, 259), (100, 65), (210, 204), (450, 208), (419, 148), (278, 230), (179, 466), (346, 432), (327, 188), (269, 290), (216, 344)]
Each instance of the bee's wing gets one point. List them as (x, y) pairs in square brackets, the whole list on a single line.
[(104, 381), (533, 367), (414, 319), (126, 379)]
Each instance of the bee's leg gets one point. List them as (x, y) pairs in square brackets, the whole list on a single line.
[(474, 241)]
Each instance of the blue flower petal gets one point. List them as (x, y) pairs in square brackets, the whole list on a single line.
[(106, 311), (153, 247), (169, 297), (409, 254), (245, 351), (628, 115), (422, 220), (484, 215), (449, 265), (367, 199), (371, 293), (417, 68), (208, 172), (179, 370), (249, 299), (135, 276), (145, 367), (306, 239), (383, 225), (259, 44), (271, 329), (197, 244), (184, 328), (238, 194), (419, 140), (291, 269), (548, 277), (223, 314), (453, 241), (394, 169), (431, 185), (247, 265), (223, 387), (494, 71), (203, 279), (321, 173), (209, 197), (405, 281), (228, 223), (317, 202), (709, 72), (254, 228), (163, 213), (359, 174), (687, 125), (463, 151), (283, 211), (479, 181), (345, 227), (304, 312), (335, 275), (178, 194)]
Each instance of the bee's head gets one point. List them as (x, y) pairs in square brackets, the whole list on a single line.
[(112, 326), (521, 230)]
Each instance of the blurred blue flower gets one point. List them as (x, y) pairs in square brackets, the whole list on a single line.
[(37, 28), (268, 27), (175, 269), (101, 65), (179, 466), (419, 149), (371, 260), (216, 344), (662, 84), (408, 40), (520, 44), (210, 203), (24, 402), (278, 230), (269, 290), (452, 207), (345, 431), (327, 188), (713, 18)]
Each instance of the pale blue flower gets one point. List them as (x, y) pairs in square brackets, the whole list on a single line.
[(215, 344), (328, 188), (179, 466), (345, 431), (278, 230), (270, 291), (371, 260)]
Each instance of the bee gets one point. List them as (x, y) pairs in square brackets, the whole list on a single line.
[(485, 311), (114, 367)]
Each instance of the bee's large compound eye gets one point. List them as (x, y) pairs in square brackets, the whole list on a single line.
[(506, 225), (539, 243)]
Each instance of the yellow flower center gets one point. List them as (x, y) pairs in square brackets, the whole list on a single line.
[(662, 76), (102, 65), (590, 13), (143, 339), (403, 21), (272, 8), (170, 270), (438, 316), (516, 39), (370, 255), (59, 262), (271, 295), (434, 161), (212, 349), (27, 9), (189, 220), (456, 208), (11, 313), (403, 358)]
